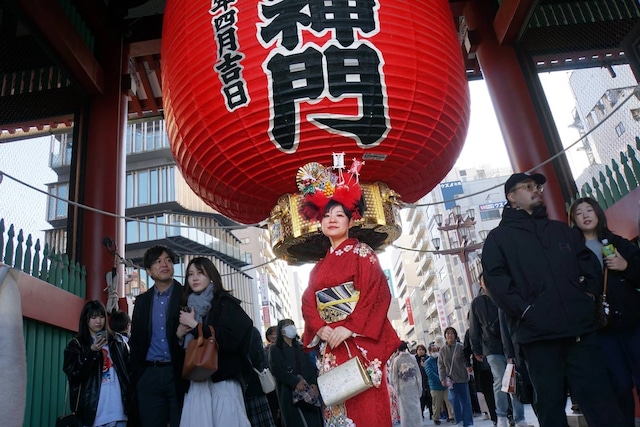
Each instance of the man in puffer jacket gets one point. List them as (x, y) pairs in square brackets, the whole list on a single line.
[(541, 275)]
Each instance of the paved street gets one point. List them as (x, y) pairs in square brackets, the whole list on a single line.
[(479, 422)]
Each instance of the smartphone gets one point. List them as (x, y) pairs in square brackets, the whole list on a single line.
[(186, 309), (101, 334)]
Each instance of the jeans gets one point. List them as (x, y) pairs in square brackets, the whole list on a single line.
[(461, 402), (498, 365)]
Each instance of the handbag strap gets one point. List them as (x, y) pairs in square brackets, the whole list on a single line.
[(604, 292), (452, 356)]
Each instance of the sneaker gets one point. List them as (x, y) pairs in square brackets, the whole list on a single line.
[(451, 420), (576, 409), (485, 416), (436, 422), (502, 422)]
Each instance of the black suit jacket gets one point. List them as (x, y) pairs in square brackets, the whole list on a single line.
[(141, 336)]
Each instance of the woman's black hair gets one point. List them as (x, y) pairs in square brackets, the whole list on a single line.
[(280, 336), (360, 207), (90, 309), (602, 228), (206, 266), (452, 329)]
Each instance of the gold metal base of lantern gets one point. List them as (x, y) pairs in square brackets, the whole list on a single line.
[(298, 241)]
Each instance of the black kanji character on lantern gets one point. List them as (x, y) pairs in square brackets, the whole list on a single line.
[(227, 41), (235, 95), (295, 78), (355, 71), (216, 5), (229, 67), (286, 15), (224, 20), (344, 17)]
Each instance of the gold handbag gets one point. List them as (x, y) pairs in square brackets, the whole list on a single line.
[(337, 303), (344, 381)]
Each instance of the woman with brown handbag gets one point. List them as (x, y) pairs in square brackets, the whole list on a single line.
[(218, 401)]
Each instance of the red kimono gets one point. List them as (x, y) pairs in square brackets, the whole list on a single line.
[(355, 262)]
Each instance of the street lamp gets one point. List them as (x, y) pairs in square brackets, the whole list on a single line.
[(457, 230)]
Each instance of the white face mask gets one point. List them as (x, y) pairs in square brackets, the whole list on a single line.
[(435, 354), (290, 331)]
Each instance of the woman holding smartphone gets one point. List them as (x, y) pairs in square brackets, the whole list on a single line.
[(95, 364)]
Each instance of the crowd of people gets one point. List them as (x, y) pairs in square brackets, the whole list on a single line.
[(542, 284)]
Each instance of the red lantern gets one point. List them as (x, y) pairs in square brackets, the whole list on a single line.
[(255, 90)]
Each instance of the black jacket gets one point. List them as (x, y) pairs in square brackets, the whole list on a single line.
[(141, 336), (484, 327), (623, 287), (83, 367), (541, 274), (233, 330)]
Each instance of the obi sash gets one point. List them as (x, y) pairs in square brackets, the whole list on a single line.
[(338, 302)]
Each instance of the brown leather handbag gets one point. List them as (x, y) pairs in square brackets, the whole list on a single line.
[(201, 358)]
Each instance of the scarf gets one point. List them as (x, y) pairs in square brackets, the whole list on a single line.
[(201, 302)]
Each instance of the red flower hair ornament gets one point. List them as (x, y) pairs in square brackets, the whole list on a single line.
[(319, 186)]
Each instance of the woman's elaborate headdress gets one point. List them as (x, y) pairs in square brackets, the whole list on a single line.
[(319, 185)]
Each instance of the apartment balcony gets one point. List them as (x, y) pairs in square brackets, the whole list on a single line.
[(418, 234), (427, 294), (424, 264)]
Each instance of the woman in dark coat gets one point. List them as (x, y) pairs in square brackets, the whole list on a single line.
[(95, 363), (620, 340), (293, 369)]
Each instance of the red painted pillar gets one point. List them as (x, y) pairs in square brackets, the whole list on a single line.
[(515, 109), (101, 182)]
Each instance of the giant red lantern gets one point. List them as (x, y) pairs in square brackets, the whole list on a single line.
[(254, 90)]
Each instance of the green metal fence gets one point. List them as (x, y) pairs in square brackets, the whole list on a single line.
[(46, 383), (616, 181)]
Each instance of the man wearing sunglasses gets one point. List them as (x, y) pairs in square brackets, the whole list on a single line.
[(539, 272)]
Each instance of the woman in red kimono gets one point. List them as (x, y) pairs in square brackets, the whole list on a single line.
[(351, 268)]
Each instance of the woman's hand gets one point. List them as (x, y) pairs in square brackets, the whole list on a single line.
[(188, 318), (99, 343), (338, 335), (616, 263), (325, 332), (301, 385), (182, 330), (444, 383)]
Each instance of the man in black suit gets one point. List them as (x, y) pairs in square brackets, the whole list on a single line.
[(156, 355)]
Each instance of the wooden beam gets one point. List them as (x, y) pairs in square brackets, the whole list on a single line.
[(512, 16), (144, 48), (46, 303), (144, 78), (49, 19)]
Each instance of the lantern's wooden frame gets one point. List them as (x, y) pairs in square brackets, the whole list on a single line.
[(298, 241)]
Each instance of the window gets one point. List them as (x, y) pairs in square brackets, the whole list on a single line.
[(150, 186), (490, 214), (442, 274), (446, 296), (61, 150), (620, 129), (57, 208), (451, 319), (635, 113)]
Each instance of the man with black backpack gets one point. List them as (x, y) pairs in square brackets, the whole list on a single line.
[(486, 344)]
